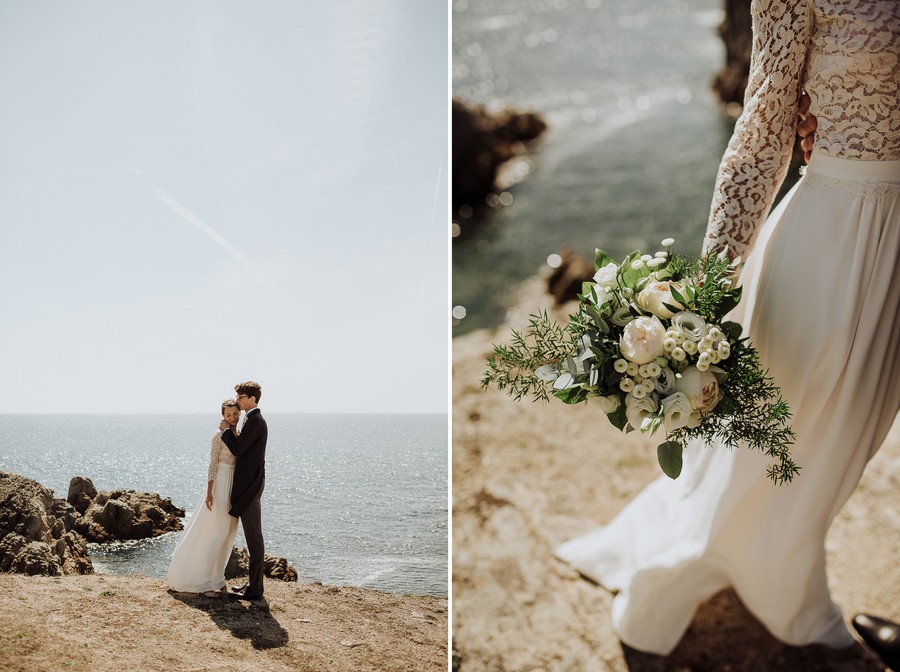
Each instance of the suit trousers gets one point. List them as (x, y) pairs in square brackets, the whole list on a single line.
[(251, 523)]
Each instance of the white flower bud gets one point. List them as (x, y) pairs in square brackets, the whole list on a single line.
[(653, 369), (662, 255), (632, 369), (668, 242), (689, 347), (642, 371), (669, 344), (626, 384), (620, 365), (716, 334), (724, 349), (649, 385), (706, 343), (678, 354), (639, 392), (637, 264)]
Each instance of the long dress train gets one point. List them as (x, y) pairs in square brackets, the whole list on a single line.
[(822, 305), (198, 562)]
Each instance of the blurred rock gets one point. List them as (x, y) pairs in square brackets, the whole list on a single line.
[(482, 143), (565, 282), (37, 531), (737, 35), (273, 567)]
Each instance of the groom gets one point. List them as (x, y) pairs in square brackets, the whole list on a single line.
[(249, 447)]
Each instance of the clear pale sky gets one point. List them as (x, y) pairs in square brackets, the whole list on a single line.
[(198, 193)]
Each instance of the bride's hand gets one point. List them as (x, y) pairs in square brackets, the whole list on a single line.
[(209, 501)]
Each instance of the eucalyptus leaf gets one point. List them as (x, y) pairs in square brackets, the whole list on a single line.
[(564, 381), (670, 459), (547, 372)]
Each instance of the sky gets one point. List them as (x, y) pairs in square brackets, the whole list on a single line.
[(194, 194)]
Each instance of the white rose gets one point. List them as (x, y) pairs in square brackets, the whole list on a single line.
[(636, 409), (607, 277), (607, 404), (676, 411), (691, 325), (655, 294), (701, 387), (642, 340)]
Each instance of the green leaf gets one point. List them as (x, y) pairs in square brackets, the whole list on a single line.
[(617, 418), (669, 456), (601, 259), (732, 330), (677, 296)]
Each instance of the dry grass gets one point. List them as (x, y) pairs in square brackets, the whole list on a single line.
[(106, 622)]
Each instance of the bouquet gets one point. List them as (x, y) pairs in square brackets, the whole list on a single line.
[(650, 346)]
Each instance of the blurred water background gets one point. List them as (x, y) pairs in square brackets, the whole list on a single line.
[(355, 500), (635, 133)]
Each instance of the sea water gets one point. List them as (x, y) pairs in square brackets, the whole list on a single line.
[(349, 499)]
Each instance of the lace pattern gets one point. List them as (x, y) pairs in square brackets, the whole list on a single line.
[(864, 189), (218, 453), (846, 54)]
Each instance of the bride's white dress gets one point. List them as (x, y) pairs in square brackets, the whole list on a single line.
[(198, 562), (822, 304)]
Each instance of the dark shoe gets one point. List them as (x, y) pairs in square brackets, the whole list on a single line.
[(882, 636)]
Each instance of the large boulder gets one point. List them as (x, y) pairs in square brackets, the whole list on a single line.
[(81, 493), (38, 531), (274, 567), (125, 514)]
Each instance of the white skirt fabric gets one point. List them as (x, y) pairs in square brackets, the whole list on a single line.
[(822, 304), (198, 562)]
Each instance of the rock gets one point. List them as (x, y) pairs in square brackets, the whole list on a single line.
[(81, 493), (126, 514), (566, 280), (37, 531), (737, 35), (482, 143), (273, 567)]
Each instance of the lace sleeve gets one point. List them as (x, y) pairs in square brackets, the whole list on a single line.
[(214, 457), (756, 160)]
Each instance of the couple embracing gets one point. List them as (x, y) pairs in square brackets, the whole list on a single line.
[(236, 480)]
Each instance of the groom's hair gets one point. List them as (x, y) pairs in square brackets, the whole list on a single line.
[(249, 388), (228, 403)]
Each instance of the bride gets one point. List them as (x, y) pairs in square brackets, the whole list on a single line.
[(198, 562), (822, 305)]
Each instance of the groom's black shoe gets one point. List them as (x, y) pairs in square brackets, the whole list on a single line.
[(882, 636), (245, 594)]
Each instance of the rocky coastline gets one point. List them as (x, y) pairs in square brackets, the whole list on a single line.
[(44, 535)]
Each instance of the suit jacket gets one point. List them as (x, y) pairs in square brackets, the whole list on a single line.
[(250, 470)]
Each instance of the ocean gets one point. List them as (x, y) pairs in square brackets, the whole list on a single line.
[(634, 142), (355, 500)]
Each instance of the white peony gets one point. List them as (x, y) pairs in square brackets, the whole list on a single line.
[(642, 340), (607, 404), (655, 294), (676, 411), (701, 387), (636, 409)]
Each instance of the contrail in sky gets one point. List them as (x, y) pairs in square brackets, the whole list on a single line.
[(182, 211)]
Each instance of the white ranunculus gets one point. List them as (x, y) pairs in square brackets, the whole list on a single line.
[(665, 381), (655, 294), (691, 325), (676, 411), (701, 387), (606, 277), (642, 340), (621, 316), (607, 404), (636, 409)]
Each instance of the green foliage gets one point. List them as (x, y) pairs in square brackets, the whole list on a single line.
[(670, 458)]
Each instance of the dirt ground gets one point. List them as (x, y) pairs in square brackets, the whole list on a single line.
[(527, 477), (105, 622)]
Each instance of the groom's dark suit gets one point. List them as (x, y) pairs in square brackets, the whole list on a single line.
[(249, 479)]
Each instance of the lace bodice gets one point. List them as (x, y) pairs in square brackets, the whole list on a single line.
[(846, 55), (218, 453)]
